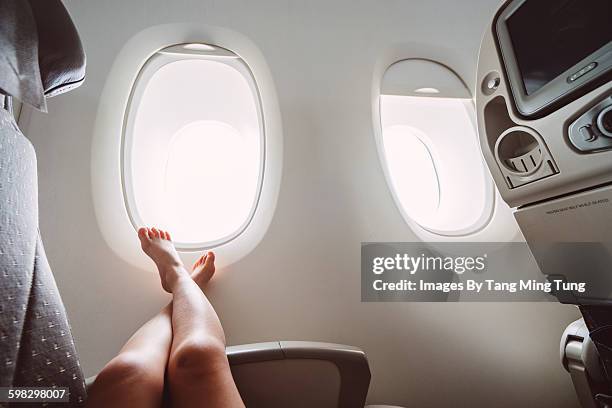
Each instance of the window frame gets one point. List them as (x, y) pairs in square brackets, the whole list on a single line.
[(156, 61)]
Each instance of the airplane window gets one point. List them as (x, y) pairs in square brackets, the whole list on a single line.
[(193, 145), (430, 149)]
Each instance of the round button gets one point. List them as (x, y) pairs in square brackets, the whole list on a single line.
[(493, 83), (604, 121), (490, 83)]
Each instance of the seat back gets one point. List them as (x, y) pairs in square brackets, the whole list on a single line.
[(36, 345), (35, 341)]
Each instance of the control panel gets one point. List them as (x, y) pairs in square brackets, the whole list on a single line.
[(592, 131)]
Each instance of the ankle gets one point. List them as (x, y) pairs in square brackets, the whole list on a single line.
[(172, 274), (181, 276)]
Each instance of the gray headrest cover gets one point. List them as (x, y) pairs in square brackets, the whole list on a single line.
[(41, 54), (19, 70)]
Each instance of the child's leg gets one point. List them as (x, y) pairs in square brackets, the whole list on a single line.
[(198, 371)]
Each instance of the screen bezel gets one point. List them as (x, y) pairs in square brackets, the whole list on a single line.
[(554, 93)]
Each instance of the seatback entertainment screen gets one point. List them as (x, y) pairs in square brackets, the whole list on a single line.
[(550, 36), (554, 50)]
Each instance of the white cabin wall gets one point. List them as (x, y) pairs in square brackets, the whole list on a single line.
[(303, 280)]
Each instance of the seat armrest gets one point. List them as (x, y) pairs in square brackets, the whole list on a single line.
[(351, 363)]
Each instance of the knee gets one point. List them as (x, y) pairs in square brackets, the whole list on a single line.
[(196, 358), (129, 369)]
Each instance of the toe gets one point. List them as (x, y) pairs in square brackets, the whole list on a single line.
[(199, 262), (155, 232), (143, 234), (168, 237), (209, 263), (150, 233)]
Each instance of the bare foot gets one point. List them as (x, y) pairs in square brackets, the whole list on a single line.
[(203, 270), (158, 246)]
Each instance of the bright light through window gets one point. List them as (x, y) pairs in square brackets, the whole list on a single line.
[(433, 158), (193, 146), (416, 174)]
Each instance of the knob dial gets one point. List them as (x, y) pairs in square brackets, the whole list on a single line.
[(604, 121)]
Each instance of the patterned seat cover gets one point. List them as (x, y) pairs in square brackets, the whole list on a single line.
[(36, 345)]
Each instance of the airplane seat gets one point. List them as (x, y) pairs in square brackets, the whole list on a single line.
[(543, 130), (42, 57)]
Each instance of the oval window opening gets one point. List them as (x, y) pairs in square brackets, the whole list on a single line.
[(430, 149), (193, 146)]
